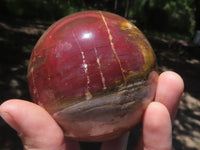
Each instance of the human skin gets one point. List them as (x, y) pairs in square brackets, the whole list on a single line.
[(39, 131)]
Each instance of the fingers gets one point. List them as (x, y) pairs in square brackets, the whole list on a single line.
[(157, 124), (157, 130), (169, 90), (116, 144), (34, 125)]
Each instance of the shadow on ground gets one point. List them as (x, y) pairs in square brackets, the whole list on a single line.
[(17, 38)]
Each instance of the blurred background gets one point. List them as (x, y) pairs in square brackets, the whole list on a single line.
[(172, 27)]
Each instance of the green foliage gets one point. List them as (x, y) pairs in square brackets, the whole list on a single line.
[(163, 15), (181, 15), (40, 9)]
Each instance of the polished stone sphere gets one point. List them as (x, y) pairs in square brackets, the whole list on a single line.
[(95, 73)]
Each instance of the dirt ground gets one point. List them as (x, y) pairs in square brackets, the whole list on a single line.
[(17, 38)]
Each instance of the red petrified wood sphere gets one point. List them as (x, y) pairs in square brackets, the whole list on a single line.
[(95, 73)]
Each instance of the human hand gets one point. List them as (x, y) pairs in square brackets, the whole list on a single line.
[(39, 131)]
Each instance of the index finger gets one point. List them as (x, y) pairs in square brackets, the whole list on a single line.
[(169, 91)]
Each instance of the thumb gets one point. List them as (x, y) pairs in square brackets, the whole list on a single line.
[(35, 126)]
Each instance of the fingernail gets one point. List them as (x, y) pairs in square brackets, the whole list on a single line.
[(8, 118)]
